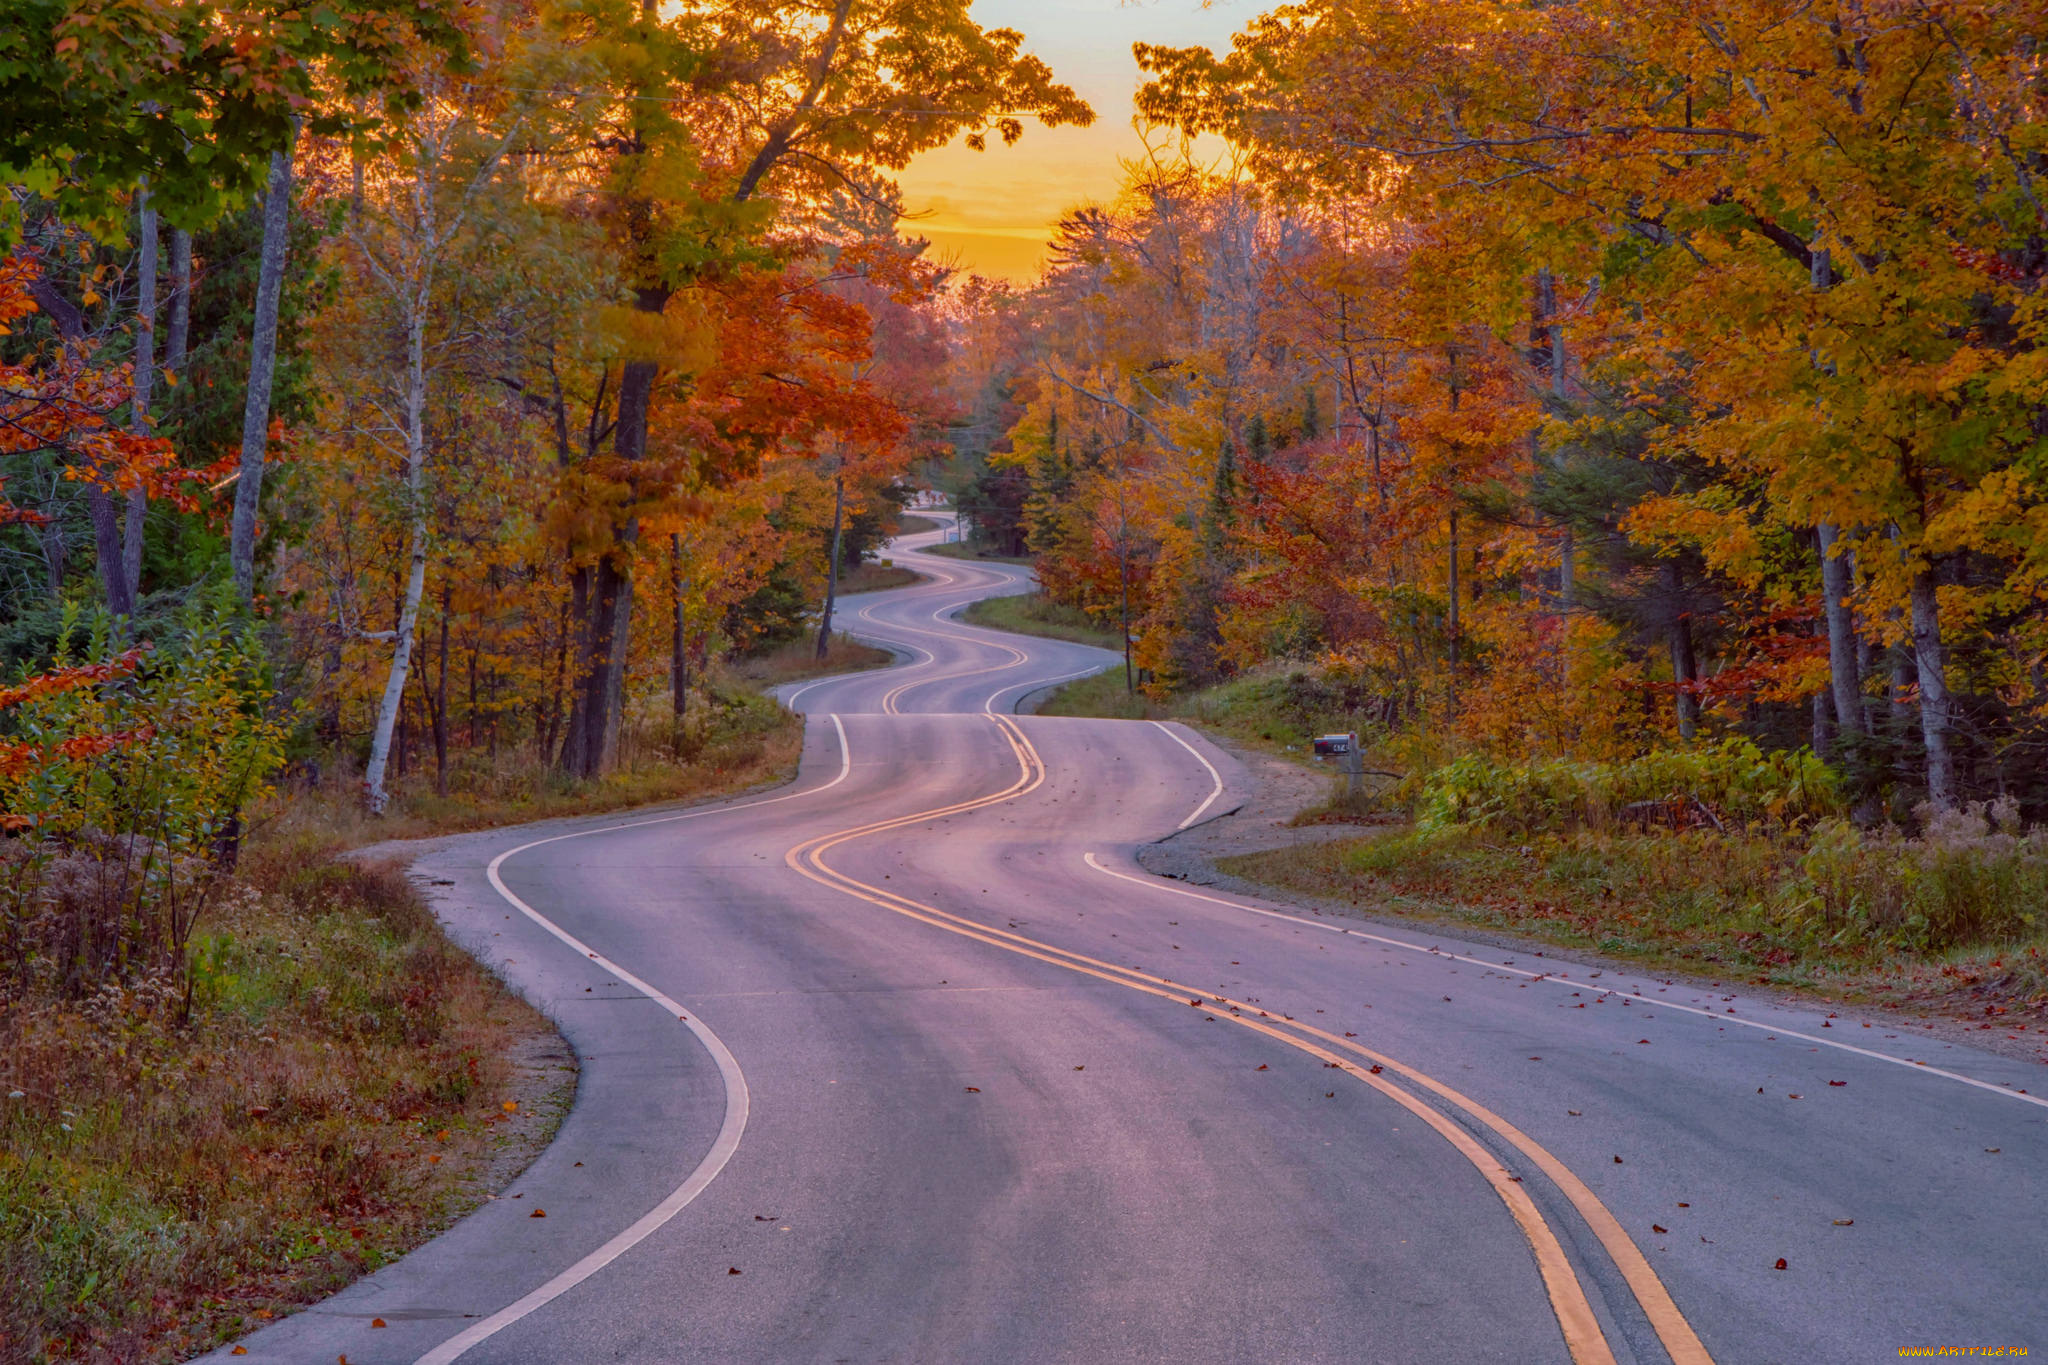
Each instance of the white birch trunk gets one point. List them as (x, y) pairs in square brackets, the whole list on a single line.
[(374, 794)]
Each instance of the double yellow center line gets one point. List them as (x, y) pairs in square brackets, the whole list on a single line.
[(1576, 1319)]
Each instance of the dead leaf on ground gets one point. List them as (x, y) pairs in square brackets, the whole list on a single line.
[(1781, 1263)]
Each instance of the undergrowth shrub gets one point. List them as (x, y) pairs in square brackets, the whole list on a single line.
[(1734, 780), (123, 798)]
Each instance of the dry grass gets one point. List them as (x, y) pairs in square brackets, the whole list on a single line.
[(732, 738), (799, 659), (332, 1099)]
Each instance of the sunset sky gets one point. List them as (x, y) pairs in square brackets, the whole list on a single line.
[(991, 211)]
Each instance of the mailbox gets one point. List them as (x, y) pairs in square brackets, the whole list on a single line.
[(1336, 746)]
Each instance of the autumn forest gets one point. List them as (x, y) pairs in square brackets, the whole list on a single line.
[(428, 409)]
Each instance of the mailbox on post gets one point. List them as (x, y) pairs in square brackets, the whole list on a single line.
[(1343, 749)]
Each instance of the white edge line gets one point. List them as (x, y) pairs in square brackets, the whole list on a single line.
[(1559, 980), (1216, 776), (737, 1099)]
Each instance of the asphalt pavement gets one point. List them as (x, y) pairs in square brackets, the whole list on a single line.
[(911, 1062)]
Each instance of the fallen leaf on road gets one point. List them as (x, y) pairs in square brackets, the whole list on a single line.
[(1617, 1161), (1535, 1059), (1781, 1263), (1375, 1068), (378, 1322), (1837, 1082), (1992, 1150), (510, 1106), (1654, 1228), (239, 1351), (538, 1213), (1845, 1222), (1684, 1206), (1350, 1035), (1329, 1094), (1262, 1066), (974, 1090), (1574, 1113), (1640, 1041), (1080, 1068), (1795, 1097), (733, 1270)]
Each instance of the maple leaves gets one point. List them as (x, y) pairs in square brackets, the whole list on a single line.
[(62, 404)]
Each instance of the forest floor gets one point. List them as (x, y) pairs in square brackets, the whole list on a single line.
[(345, 1082), (1696, 903)]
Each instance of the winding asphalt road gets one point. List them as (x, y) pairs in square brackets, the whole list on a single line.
[(911, 1062)]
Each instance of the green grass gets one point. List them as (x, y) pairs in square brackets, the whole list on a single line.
[(1034, 614), (1102, 695), (1765, 909), (876, 575), (1279, 710), (964, 549), (910, 524)]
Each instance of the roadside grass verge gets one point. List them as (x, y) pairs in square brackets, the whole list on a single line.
[(335, 1093), (876, 575), (1034, 614), (1279, 709), (1102, 695), (911, 524), (1953, 922), (964, 549)]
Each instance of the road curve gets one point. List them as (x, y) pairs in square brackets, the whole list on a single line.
[(911, 1062)]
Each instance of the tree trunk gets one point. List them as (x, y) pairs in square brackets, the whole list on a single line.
[(143, 392), (394, 683), (594, 721), (1936, 719), (1552, 331), (1123, 573), (179, 331), (277, 203), (678, 655), (1452, 623), (1684, 664), (106, 537), (99, 506), (416, 576), (1842, 662), (552, 726), (832, 570), (441, 702)]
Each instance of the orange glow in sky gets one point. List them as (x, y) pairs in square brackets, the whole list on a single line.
[(991, 212)]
